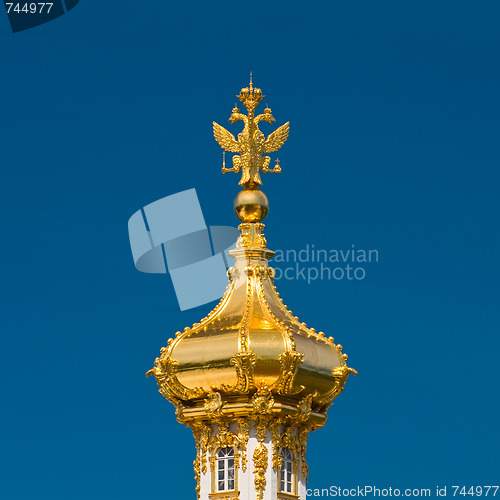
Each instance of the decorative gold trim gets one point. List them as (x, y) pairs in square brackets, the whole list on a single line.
[(290, 362), (197, 475), (244, 326), (287, 496), (340, 375), (303, 435), (244, 363), (291, 442), (252, 238), (224, 495), (304, 408), (165, 372), (263, 400), (275, 428), (223, 438), (243, 436), (237, 408), (213, 405), (202, 433), (260, 459)]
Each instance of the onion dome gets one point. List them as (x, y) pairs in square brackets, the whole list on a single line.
[(250, 379), (250, 354)]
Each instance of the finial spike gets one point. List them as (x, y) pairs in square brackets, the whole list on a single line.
[(251, 83)]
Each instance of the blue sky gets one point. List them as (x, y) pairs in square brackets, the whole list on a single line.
[(394, 112)]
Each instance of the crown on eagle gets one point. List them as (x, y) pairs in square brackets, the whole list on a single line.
[(250, 96)]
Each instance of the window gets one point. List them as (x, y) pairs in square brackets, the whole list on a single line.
[(286, 471), (225, 469)]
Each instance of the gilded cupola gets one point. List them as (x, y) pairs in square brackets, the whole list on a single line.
[(251, 370)]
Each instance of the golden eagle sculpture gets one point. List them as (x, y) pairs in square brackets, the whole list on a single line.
[(251, 143)]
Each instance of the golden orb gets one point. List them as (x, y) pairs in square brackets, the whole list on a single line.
[(251, 205)]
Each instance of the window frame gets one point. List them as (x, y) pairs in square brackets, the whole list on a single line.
[(227, 457), (287, 477)]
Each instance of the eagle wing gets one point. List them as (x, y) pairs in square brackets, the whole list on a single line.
[(277, 138), (226, 140)]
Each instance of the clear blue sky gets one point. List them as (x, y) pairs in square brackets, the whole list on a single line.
[(394, 145)]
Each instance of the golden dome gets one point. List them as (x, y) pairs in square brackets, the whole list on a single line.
[(250, 356), (251, 346)]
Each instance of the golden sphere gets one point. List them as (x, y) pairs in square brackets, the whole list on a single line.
[(251, 205)]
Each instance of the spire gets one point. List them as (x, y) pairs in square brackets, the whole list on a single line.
[(250, 379)]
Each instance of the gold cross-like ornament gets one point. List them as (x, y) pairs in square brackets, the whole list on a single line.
[(251, 143)]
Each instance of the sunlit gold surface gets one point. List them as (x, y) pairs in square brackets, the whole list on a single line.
[(251, 205), (251, 359), (251, 143), (251, 340)]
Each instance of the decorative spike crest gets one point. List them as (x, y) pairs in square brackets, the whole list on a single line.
[(251, 143)]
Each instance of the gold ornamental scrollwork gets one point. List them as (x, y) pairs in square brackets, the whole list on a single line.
[(222, 438), (197, 475), (260, 459), (213, 405), (275, 428), (340, 375), (290, 362), (165, 372), (245, 322), (179, 413), (262, 400), (261, 428), (251, 235), (244, 363), (243, 436), (303, 435), (304, 409), (202, 433), (290, 440)]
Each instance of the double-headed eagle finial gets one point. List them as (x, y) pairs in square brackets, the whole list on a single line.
[(251, 143)]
